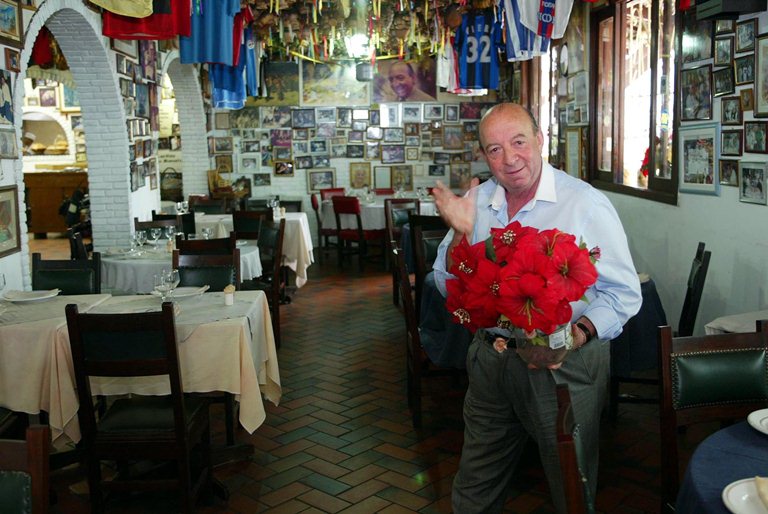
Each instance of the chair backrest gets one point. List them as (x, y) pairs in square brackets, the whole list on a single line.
[(316, 207), (578, 496), (348, 205), (720, 377), (271, 252), (694, 289), (77, 249), (79, 276), (214, 270), (427, 232), (247, 224), (330, 192), (382, 191), (161, 224), (258, 203), (396, 212), (292, 205), (123, 345), (409, 308), (186, 221), (216, 246), (209, 206), (25, 472)]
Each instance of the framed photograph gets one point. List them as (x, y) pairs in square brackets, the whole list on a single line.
[(697, 38), (300, 147), (262, 179), (322, 82), (698, 152), (359, 125), (281, 153), (284, 168), (390, 115), (47, 96), (730, 110), (745, 35), (436, 170), (356, 136), (11, 24), (374, 133), (318, 179), (755, 136), (747, 99), (761, 79), (129, 48), (411, 154), (372, 150), (382, 177), (344, 117), (752, 182), (302, 118), (68, 99), (412, 141), (249, 163), (723, 80), (12, 60), (338, 151), (696, 93), (221, 121), (453, 137), (224, 163), (393, 135), (724, 26), (452, 112), (325, 115), (303, 162), (411, 113), (359, 175), (375, 116), (360, 114), (471, 110), (723, 51), (392, 154), (461, 174), (433, 111), (402, 177), (300, 134), (355, 151), (318, 146), (222, 145), (744, 69), (321, 161), (410, 81), (10, 242), (731, 142), (326, 130), (250, 146), (729, 172)]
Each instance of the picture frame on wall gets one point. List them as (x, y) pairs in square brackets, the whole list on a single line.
[(125, 47), (747, 99), (402, 177), (318, 179), (755, 137), (47, 96), (68, 99), (729, 172), (723, 80), (12, 60), (284, 168), (731, 142), (359, 175), (9, 220), (382, 177), (744, 69), (698, 151), (723, 51), (697, 38), (724, 26), (745, 35), (752, 184), (696, 85), (11, 24), (761, 77), (730, 110)]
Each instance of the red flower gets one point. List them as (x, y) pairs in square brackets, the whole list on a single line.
[(505, 240), (528, 303), (575, 271), (465, 257)]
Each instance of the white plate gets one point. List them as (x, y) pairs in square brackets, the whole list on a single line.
[(241, 242), (759, 420), (184, 292), (30, 296), (741, 497)]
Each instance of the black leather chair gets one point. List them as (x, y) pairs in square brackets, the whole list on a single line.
[(355, 240), (185, 221), (138, 427), (719, 377), (25, 472), (79, 276), (396, 211), (578, 495), (215, 270), (427, 232), (216, 246), (77, 248), (209, 206), (247, 224), (323, 233)]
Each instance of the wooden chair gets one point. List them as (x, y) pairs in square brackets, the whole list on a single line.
[(323, 233), (215, 270), (209, 206), (185, 221), (258, 203), (578, 496), (396, 211), (354, 241), (719, 377), (383, 191), (693, 293), (25, 472), (216, 246), (418, 365), (247, 224), (330, 192), (292, 205), (427, 232), (161, 224), (138, 427), (273, 279), (79, 276), (77, 248)]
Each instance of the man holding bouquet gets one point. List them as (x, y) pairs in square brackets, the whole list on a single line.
[(509, 399)]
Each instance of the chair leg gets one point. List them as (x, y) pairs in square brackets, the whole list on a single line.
[(229, 418), (276, 324), (395, 287), (94, 485)]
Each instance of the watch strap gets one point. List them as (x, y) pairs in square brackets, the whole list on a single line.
[(586, 331)]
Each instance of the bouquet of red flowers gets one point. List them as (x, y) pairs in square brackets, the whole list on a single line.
[(520, 277)]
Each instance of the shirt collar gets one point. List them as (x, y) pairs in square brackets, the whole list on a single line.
[(545, 191)]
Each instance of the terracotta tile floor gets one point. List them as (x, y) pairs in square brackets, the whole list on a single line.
[(341, 439)]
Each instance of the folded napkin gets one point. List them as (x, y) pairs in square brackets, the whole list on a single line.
[(761, 484), (14, 296)]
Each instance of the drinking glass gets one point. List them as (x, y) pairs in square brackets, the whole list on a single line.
[(155, 233), (141, 238), (179, 208), (185, 207), (170, 232), (161, 284), (207, 232), (172, 280)]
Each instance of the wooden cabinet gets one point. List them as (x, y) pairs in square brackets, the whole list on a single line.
[(45, 191)]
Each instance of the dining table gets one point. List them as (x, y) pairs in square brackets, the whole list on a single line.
[(223, 348), (742, 322), (297, 242), (126, 272), (729, 458), (371, 213)]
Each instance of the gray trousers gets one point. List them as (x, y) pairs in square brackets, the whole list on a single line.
[(506, 403)]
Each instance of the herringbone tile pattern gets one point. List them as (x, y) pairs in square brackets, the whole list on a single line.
[(341, 439)]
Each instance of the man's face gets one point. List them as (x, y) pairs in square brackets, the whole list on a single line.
[(512, 148), (400, 80)]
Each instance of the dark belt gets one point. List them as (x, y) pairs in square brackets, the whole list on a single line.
[(489, 338)]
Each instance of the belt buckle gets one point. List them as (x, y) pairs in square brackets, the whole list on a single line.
[(499, 345)]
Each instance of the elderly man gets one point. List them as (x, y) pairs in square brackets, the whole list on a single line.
[(509, 400), (402, 80)]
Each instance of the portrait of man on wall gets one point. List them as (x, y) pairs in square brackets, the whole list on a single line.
[(405, 81)]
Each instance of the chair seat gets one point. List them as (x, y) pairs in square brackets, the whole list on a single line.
[(328, 232), (368, 235), (146, 414)]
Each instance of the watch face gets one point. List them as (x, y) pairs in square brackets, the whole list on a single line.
[(564, 59)]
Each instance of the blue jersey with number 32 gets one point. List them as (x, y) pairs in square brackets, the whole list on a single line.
[(477, 42)]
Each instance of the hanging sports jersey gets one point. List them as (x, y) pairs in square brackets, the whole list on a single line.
[(212, 25), (522, 43), (547, 18), (477, 43), (169, 18)]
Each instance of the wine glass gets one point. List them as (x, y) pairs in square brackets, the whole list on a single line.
[(170, 232), (184, 207), (172, 279), (141, 238), (207, 232), (155, 233), (179, 208), (161, 284)]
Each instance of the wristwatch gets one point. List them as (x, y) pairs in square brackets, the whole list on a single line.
[(587, 334)]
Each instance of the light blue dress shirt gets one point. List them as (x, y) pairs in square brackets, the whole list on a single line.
[(573, 206)]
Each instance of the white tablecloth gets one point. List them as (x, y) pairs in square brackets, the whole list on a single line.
[(123, 274), (297, 243), (745, 322), (371, 214), (226, 349)]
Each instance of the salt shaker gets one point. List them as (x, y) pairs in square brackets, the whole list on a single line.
[(229, 295)]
